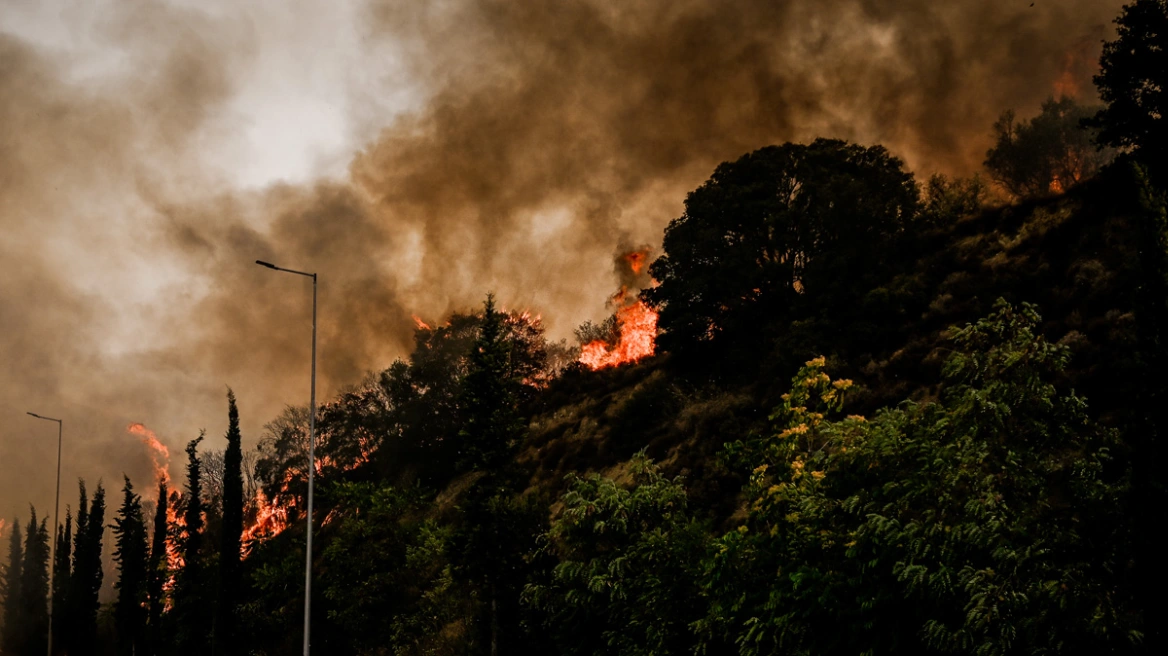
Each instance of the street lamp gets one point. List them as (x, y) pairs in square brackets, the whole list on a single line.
[(56, 512), (311, 456)]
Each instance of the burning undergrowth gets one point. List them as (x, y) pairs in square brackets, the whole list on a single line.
[(630, 333)]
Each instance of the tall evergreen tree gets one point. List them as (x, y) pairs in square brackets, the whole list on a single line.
[(62, 571), (157, 571), (231, 532), (496, 530), (490, 422), (85, 582), (10, 636), (190, 603), (73, 593), (34, 587), (130, 554)]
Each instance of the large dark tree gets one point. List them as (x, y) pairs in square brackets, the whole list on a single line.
[(762, 230), (11, 636), (85, 582), (157, 571), (62, 572), (34, 588), (1133, 81), (191, 608), (231, 532), (130, 555)]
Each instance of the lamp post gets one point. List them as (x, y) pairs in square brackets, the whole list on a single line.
[(311, 457), (56, 511)]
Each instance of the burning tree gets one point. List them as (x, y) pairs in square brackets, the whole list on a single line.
[(1047, 154)]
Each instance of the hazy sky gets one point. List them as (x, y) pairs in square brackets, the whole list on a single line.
[(416, 154)]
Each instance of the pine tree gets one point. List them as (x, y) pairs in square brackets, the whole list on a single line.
[(62, 571), (130, 554), (190, 605), (85, 582), (11, 636), (157, 571), (34, 587), (232, 532)]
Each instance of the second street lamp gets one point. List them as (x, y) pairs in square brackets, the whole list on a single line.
[(53, 537), (311, 457)]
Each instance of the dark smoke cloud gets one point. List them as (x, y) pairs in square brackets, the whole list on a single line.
[(549, 132)]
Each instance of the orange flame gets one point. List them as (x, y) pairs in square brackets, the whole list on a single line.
[(637, 260), (158, 451), (637, 323), (270, 519), (175, 531), (3, 524), (422, 325)]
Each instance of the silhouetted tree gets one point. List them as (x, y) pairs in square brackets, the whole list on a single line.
[(490, 423), (85, 582), (157, 571), (11, 638), (497, 529), (1133, 81), (1049, 153), (62, 573), (191, 608), (780, 222), (130, 555), (231, 532), (34, 587)]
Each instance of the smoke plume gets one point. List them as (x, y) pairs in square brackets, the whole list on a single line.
[(505, 146)]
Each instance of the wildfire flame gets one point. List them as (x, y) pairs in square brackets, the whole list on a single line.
[(178, 526), (158, 451), (638, 336), (270, 519), (422, 325), (3, 524), (636, 322), (637, 261)]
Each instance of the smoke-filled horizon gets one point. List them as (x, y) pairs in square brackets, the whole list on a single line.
[(464, 147)]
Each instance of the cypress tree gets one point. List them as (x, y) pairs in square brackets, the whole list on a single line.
[(73, 593), (157, 571), (10, 637), (62, 571), (232, 532), (34, 587), (85, 582), (189, 601), (130, 554)]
